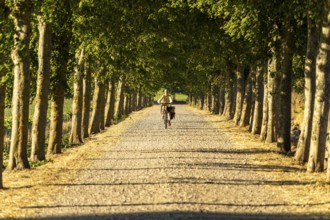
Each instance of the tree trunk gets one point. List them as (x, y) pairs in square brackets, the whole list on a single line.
[(2, 121), (41, 101), (272, 72), (229, 96), (195, 100), (111, 102), (86, 100), (97, 107), (76, 134), (239, 93), (121, 98), (257, 116), (209, 98), (321, 105), (310, 70), (20, 107), (61, 44), (264, 127), (216, 108), (234, 96), (140, 100), (246, 109), (2, 99), (190, 99), (134, 101), (328, 165), (284, 119), (222, 95), (144, 101), (55, 131), (103, 105), (201, 101), (127, 105)]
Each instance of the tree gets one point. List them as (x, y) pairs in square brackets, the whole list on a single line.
[(21, 12), (61, 37), (3, 25), (43, 82), (284, 127), (111, 101), (313, 35), (321, 106), (77, 107), (98, 98), (258, 105), (86, 98), (240, 93)]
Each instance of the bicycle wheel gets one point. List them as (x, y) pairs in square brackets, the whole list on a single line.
[(165, 119)]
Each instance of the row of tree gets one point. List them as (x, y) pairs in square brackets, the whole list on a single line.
[(267, 50), (72, 49), (242, 58)]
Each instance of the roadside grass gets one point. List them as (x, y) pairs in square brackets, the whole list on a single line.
[(67, 110), (65, 135)]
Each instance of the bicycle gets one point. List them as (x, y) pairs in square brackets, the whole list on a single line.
[(165, 115)]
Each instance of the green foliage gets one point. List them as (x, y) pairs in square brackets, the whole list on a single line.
[(181, 45)]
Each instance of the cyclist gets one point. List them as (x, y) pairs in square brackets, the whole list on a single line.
[(165, 100)]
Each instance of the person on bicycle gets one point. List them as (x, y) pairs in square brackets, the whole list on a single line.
[(165, 100)]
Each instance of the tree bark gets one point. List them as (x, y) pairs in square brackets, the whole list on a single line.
[(76, 133), (41, 101), (111, 102), (121, 98), (258, 105), (144, 101), (86, 100), (134, 101), (2, 121), (97, 107), (328, 165), (246, 109), (222, 95), (127, 105), (140, 100), (190, 99), (229, 96), (310, 74), (321, 105), (272, 72), (103, 105), (264, 127), (18, 158), (216, 107), (284, 119), (55, 131), (201, 101), (61, 44), (195, 101), (2, 99), (209, 98), (239, 93)]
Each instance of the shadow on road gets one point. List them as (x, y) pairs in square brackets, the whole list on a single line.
[(188, 215)]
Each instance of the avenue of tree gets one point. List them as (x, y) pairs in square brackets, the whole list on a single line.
[(242, 59)]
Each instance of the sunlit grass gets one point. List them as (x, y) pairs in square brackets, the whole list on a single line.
[(178, 97)]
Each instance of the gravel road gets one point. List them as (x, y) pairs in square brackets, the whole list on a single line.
[(192, 170)]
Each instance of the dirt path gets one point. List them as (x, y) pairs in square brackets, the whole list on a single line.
[(199, 168)]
